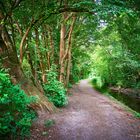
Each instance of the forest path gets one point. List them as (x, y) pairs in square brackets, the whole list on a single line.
[(88, 116)]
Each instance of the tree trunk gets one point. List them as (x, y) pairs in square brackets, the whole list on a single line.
[(34, 73), (27, 85), (23, 42), (69, 51), (42, 65), (51, 44), (68, 68), (10, 61), (67, 54), (62, 50)]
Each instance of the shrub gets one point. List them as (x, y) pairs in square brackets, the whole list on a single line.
[(49, 123), (15, 115), (98, 82), (54, 89)]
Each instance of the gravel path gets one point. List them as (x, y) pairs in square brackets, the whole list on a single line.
[(88, 116)]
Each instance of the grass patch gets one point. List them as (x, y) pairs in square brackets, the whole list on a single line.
[(49, 123)]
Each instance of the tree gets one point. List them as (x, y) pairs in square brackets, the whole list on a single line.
[(38, 34)]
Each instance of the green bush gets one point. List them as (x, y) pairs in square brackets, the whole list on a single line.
[(54, 89), (15, 115), (49, 123), (98, 82)]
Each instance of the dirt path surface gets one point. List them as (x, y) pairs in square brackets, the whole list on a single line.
[(88, 116)]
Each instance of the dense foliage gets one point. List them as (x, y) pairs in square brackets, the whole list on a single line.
[(54, 89), (49, 45), (15, 115), (115, 58)]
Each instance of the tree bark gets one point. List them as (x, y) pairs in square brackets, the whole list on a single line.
[(62, 49), (66, 54), (42, 65), (68, 68), (18, 77), (10, 61), (51, 43), (69, 51), (22, 43)]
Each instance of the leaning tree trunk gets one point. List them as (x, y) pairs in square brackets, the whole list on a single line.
[(10, 60), (69, 51)]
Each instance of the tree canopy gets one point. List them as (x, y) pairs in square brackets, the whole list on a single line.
[(46, 46)]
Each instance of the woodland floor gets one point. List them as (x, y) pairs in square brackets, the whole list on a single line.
[(88, 116)]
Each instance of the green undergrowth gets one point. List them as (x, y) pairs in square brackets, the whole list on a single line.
[(105, 91), (54, 89), (48, 123), (15, 115)]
